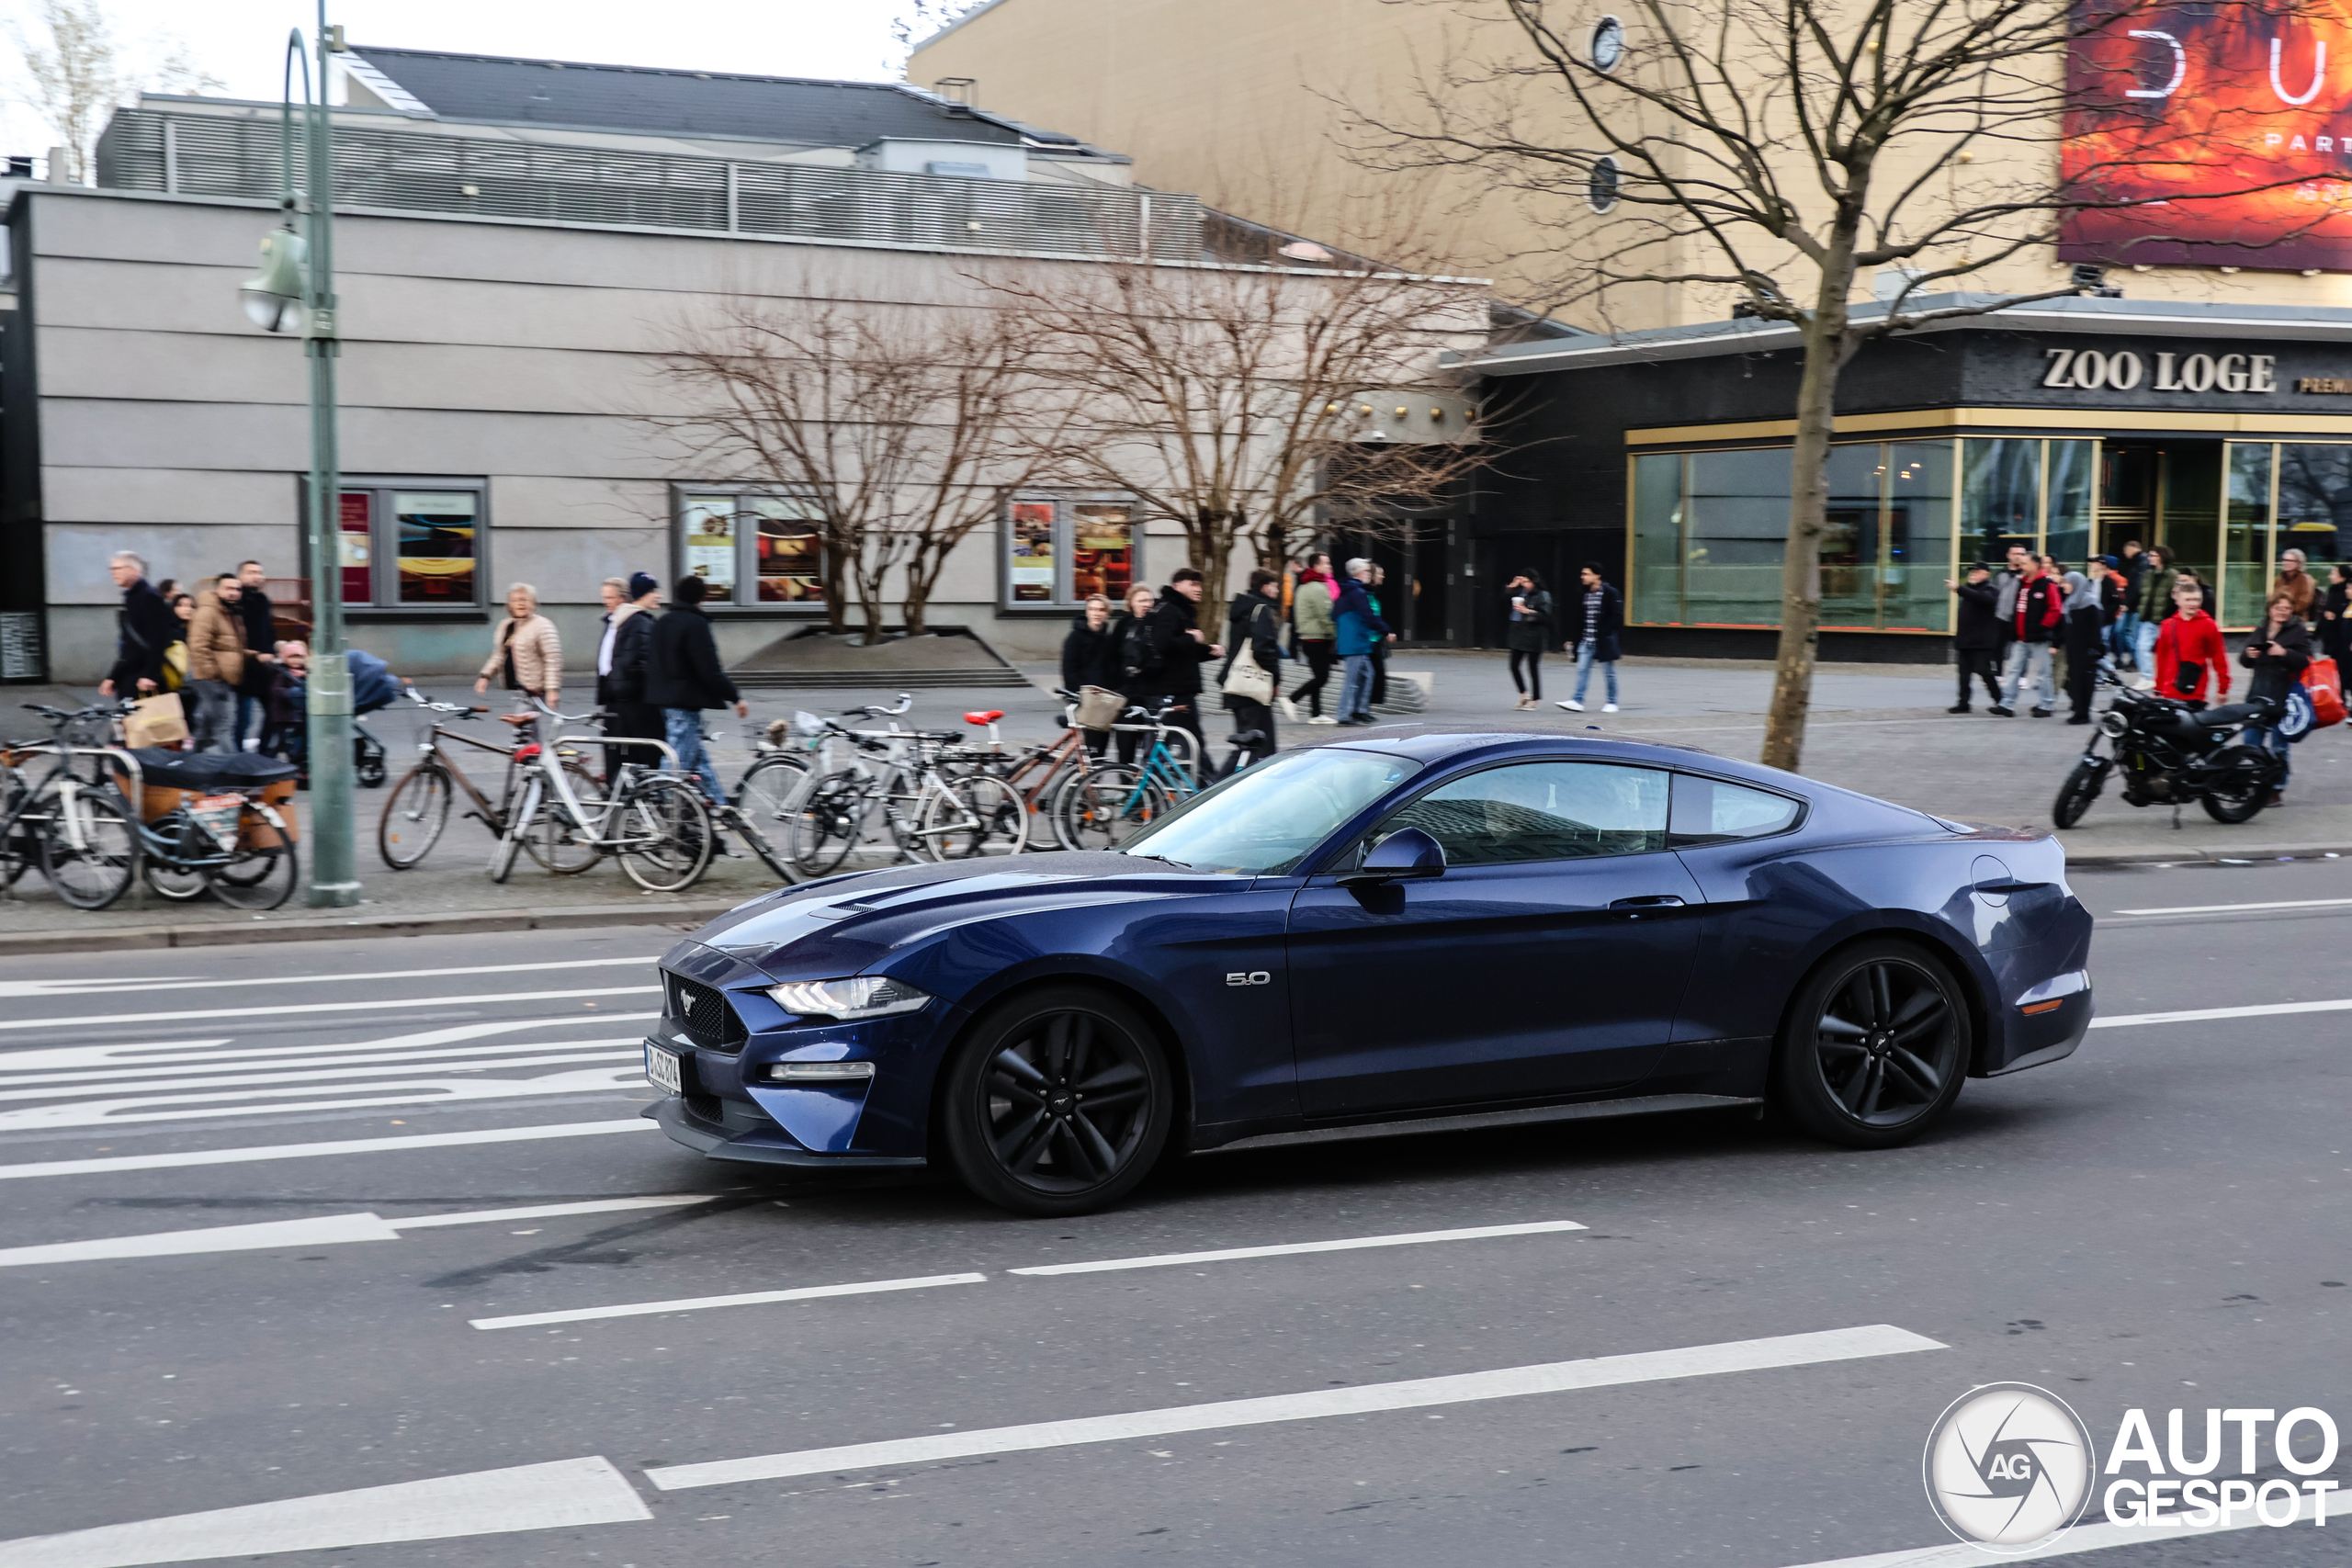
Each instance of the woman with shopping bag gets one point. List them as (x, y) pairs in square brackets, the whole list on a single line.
[(1252, 673)]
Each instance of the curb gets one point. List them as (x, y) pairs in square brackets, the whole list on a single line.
[(325, 927), (2208, 854)]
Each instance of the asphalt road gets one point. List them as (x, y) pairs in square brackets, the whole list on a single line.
[(2158, 1222)]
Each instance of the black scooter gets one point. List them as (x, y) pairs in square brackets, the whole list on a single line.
[(2171, 752)]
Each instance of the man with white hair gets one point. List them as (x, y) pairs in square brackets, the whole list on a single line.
[(2295, 582), (1360, 629), (143, 629)]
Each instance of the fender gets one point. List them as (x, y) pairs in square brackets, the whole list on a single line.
[(1965, 959)]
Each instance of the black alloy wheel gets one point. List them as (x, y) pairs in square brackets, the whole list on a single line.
[(1058, 1102), (2241, 778), (2074, 797), (1875, 1047)]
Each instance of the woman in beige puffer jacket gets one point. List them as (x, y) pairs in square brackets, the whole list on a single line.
[(526, 655)]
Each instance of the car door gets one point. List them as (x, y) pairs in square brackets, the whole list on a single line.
[(1550, 958)]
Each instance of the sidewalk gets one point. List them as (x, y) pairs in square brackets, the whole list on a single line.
[(1878, 729)]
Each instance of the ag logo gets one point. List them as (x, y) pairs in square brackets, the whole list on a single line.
[(2008, 1467)]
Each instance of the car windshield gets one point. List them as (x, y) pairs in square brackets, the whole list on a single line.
[(1265, 819)]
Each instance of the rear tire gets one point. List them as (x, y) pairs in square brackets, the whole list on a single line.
[(2243, 788), (266, 868), (1875, 1046), (1058, 1103), (821, 834), (97, 871), (1104, 806), (2074, 797), (973, 816), (666, 835)]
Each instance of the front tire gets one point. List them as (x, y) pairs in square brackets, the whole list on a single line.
[(2074, 797), (414, 814), (1058, 1102), (1875, 1047)]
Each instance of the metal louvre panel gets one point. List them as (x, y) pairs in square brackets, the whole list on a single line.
[(705, 1015), (419, 171)]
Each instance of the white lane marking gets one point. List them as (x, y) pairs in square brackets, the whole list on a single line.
[(1506, 1382), (264, 1102), (412, 1002), (566, 1495), (2081, 1538), (1407, 1238), (323, 1229), (252, 1153), (173, 1056), (755, 1298), (112, 985), (2201, 1015), (172, 1088), (2242, 908)]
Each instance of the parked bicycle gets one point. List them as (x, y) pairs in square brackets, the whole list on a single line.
[(935, 799), (655, 822), (1111, 802), (417, 810), (211, 826), (80, 830)]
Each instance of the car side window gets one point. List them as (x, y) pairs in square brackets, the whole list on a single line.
[(1541, 811), (1710, 811)]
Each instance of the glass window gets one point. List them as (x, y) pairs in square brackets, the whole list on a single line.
[(2314, 505), (1658, 540), (1849, 539), (415, 546), (437, 545), (1738, 529), (2067, 531), (1918, 538), (751, 548), (788, 559), (1060, 549), (1263, 820), (2000, 501), (1540, 811), (1709, 811), (2245, 531)]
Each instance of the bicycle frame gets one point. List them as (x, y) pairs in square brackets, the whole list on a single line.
[(547, 763), (491, 817), (70, 788)]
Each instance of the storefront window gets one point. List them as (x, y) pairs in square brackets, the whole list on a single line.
[(2001, 498), (2245, 532), (2066, 525), (411, 546), (1709, 531), (2314, 506), (751, 548), (1059, 549)]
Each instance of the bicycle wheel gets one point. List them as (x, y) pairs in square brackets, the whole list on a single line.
[(975, 815), (664, 828), (518, 830), (264, 869), (821, 832), (89, 850), (414, 814), (765, 801), (564, 846), (1105, 806)]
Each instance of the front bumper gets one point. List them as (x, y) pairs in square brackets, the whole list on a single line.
[(760, 1146)]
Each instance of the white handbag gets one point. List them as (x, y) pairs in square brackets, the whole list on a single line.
[(1245, 677)]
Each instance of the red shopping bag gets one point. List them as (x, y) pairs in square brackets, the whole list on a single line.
[(2327, 687)]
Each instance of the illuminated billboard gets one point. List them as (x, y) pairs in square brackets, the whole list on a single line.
[(2227, 126)]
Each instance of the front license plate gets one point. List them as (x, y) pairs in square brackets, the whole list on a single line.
[(662, 1070)]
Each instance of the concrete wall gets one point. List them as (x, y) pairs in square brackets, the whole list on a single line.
[(523, 356)]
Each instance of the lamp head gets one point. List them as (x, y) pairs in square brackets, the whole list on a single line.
[(273, 297)]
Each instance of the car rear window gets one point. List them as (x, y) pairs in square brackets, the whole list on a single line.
[(1714, 811)]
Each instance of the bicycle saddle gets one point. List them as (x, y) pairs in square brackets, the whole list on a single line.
[(988, 715), (517, 718)]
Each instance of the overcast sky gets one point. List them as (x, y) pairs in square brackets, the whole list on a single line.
[(241, 41)]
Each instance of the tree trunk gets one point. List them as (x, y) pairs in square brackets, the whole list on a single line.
[(1825, 345), (831, 565), (912, 604)]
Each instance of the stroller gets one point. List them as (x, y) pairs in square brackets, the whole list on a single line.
[(287, 733)]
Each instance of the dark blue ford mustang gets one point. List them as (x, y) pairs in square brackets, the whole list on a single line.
[(1375, 932)]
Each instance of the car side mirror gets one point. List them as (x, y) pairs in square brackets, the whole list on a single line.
[(1403, 855)]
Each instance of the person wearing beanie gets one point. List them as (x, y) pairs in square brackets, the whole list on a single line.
[(622, 660)]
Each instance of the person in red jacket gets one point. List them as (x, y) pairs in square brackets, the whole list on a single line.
[(2188, 650), (2036, 624)]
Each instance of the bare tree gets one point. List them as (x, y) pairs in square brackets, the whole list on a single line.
[(1237, 401), (1722, 147), (903, 428), (78, 72)]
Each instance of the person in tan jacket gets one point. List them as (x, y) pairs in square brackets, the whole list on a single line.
[(216, 663), (526, 655)]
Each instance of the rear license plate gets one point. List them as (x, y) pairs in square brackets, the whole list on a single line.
[(662, 1070)]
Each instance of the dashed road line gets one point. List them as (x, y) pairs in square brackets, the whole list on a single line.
[(2203, 1015), (753, 1298), (323, 1150), (115, 984), (1228, 1255), (141, 1019)]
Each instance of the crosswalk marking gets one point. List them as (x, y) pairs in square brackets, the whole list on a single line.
[(391, 1003), (1508, 1383), (330, 1148)]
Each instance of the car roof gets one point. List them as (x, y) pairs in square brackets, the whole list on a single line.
[(1430, 748)]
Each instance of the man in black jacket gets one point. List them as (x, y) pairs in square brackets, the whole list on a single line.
[(622, 664), (1976, 646), (143, 629), (686, 677), (261, 648), (1183, 651)]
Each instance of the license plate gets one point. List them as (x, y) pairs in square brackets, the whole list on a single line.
[(662, 1070)]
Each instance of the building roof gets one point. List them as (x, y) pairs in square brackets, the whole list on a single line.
[(501, 89)]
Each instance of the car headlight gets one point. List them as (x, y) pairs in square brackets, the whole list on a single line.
[(866, 995)]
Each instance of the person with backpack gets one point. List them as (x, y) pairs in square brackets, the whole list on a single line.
[(1525, 634)]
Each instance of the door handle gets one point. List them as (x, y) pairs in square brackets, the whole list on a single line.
[(1654, 901)]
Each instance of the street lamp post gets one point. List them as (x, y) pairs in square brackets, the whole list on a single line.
[(295, 285)]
